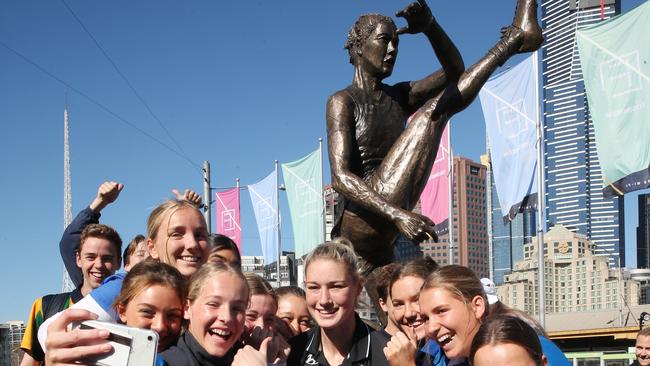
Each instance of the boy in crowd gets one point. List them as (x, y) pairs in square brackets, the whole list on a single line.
[(97, 258)]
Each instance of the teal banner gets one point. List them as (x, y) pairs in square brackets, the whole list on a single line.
[(303, 180), (615, 58)]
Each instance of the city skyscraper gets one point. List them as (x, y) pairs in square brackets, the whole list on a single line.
[(574, 181), (643, 232), (469, 220), (506, 238)]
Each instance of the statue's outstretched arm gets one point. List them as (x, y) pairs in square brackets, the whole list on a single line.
[(419, 19)]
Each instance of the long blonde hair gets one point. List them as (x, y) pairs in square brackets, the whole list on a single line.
[(337, 252), (208, 270)]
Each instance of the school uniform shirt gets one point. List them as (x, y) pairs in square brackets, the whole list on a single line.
[(188, 352), (367, 348), (42, 309)]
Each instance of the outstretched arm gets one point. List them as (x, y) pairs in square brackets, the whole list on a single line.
[(419, 20), (69, 244)]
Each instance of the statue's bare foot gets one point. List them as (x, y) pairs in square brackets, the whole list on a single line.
[(526, 20)]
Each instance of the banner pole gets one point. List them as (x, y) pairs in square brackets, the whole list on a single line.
[(540, 201), (450, 192), (277, 213), (322, 183), (488, 201), (241, 233)]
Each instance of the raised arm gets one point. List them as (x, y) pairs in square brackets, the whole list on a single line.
[(419, 20), (70, 240)]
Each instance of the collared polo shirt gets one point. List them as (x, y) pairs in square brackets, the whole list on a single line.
[(367, 348)]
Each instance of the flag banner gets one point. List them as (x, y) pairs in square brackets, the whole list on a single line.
[(264, 199), (615, 60), (228, 215), (434, 200), (303, 180), (509, 108)]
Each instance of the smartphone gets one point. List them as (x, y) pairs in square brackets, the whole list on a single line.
[(131, 346)]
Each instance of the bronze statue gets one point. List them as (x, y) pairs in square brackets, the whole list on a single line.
[(379, 165)]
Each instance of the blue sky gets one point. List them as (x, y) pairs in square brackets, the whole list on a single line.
[(236, 83)]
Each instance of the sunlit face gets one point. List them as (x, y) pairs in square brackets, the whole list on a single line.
[(450, 321), (97, 259), (217, 315), (181, 241), (503, 354), (379, 51), (261, 311), (158, 308), (387, 306), (139, 254), (405, 293), (642, 350), (331, 293), (293, 310), (224, 255)]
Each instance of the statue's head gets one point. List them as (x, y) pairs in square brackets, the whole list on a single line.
[(370, 28)]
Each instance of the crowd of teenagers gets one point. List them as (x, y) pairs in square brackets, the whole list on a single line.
[(187, 285)]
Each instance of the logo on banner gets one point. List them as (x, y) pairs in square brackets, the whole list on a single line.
[(228, 220), (512, 121), (309, 199), (618, 78), (266, 214)]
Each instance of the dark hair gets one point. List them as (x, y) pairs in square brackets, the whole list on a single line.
[(104, 232), (383, 277), (507, 329), (130, 249), (361, 30), (420, 268), (150, 273), (289, 290), (460, 281), (219, 242)]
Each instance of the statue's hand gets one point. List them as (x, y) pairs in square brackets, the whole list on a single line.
[(415, 227), (417, 15)]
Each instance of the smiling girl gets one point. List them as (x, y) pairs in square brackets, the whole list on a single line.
[(153, 297), (216, 307), (332, 287), (453, 305)]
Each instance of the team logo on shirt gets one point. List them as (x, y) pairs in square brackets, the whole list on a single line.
[(310, 360)]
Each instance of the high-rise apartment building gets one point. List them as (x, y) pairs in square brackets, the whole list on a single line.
[(574, 278), (506, 238), (643, 232), (574, 180), (469, 220)]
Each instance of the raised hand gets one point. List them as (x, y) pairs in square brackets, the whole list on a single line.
[(418, 17), (107, 193), (400, 350), (415, 227), (249, 356), (189, 196)]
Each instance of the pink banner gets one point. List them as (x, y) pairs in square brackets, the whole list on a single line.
[(435, 197), (228, 219)]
